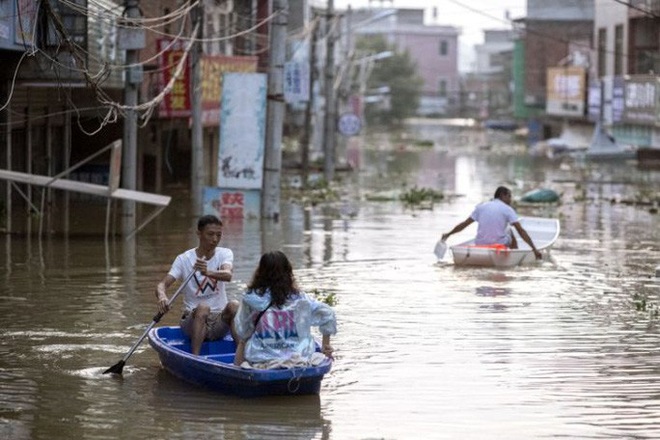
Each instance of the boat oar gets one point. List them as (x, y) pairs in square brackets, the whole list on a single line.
[(119, 366)]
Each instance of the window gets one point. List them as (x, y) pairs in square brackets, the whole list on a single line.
[(442, 88), (645, 35), (602, 50), (618, 50), (443, 48)]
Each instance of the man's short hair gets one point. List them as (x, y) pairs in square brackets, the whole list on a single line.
[(208, 220), (501, 191)]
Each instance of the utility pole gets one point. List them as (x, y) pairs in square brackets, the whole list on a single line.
[(197, 174), (304, 142), (270, 202), (329, 125), (133, 77)]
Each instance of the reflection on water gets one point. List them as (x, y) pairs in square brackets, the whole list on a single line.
[(565, 348)]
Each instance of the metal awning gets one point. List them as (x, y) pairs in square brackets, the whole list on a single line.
[(111, 191)]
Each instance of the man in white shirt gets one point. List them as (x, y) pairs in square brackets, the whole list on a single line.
[(207, 314), (493, 218)]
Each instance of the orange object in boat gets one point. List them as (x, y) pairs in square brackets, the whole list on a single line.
[(493, 246), (498, 247)]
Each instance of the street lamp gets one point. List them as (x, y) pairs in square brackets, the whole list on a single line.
[(366, 65)]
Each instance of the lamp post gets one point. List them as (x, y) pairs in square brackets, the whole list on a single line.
[(366, 65), (330, 89)]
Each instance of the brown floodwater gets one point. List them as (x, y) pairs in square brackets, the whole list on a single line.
[(567, 348)]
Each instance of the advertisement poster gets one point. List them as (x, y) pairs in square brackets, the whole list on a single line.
[(213, 69), (242, 131), (641, 100), (566, 91), (231, 203)]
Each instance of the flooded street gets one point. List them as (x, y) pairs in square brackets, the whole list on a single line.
[(568, 348)]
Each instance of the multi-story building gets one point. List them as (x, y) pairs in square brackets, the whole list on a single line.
[(625, 87), (553, 34), (63, 84), (59, 67), (486, 93), (433, 48)]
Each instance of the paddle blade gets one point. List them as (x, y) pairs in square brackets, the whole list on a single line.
[(440, 249), (116, 368)]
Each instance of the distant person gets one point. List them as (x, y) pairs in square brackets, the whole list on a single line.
[(494, 218), (207, 315), (275, 318)]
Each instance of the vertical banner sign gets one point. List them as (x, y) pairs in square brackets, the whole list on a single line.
[(296, 82), (176, 104), (595, 101), (242, 131), (618, 95)]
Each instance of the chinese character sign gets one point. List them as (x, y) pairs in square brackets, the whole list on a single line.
[(641, 100), (566, 91), (242, 131), (618, 93), (296, 82), (177, 102), (231, 204)]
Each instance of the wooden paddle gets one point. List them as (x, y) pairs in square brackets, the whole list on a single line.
[(119, 366)]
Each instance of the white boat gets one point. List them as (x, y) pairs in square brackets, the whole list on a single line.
[(543, 232)]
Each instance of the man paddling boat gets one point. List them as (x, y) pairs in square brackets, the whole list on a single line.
[(494, 219), (207, 314)]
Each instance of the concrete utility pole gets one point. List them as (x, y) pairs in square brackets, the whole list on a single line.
[(197, 175), (304, 141), (129, 153), (329, 125), (270, 201)]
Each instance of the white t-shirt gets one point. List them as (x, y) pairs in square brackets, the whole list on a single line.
[(201, 288), (494, 218)]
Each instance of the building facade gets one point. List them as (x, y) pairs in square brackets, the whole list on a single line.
[(433, 48), (626, 85)]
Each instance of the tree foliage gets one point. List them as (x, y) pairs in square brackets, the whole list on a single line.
[(399, 73)]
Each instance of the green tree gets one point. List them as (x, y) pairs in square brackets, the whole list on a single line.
[(399, 73)]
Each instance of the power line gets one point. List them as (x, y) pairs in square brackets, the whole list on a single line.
[(650, 13), (535, 32)]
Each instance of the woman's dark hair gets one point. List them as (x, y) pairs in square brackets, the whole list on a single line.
[(207, 220), (275, 273), (501, 191)]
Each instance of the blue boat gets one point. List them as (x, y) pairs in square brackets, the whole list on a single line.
[(214, 368)]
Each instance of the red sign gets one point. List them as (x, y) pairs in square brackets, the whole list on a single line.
[(176, 104), (230, 205)]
